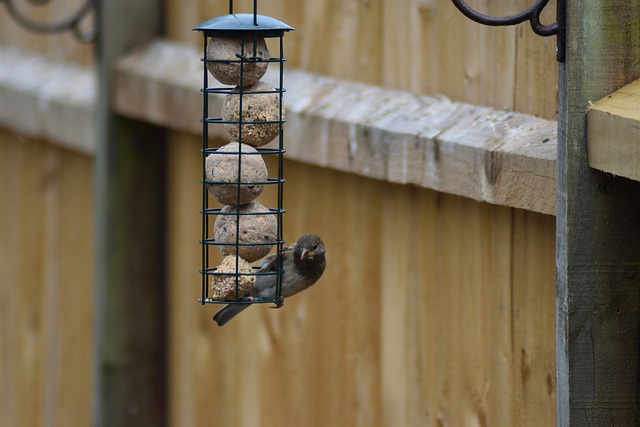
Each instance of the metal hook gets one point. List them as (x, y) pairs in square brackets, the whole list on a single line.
[(72, 23), (531, 14)]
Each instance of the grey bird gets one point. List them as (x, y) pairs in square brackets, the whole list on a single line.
[(302, 263)]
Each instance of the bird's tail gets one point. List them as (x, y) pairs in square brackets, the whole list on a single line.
[(228, 312)]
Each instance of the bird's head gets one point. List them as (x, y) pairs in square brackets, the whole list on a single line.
[(309, 247)]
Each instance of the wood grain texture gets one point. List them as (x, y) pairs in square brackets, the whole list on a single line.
[(438, 310), (60, 47), (45, 292), (434, 310), (536, 87), (614, 132), (598, 240), (48, 99), (426, 47), (489, 155)]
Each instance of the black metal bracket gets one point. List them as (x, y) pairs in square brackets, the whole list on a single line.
[(73, 23), (531, 14)]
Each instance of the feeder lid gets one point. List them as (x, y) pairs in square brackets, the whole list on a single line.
[(268, 26)]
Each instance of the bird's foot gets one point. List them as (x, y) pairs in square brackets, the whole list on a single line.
[(278, 304)]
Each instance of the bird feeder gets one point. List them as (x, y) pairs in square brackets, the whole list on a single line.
[(243, 230)]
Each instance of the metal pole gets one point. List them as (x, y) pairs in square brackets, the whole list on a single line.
[(129, 353)]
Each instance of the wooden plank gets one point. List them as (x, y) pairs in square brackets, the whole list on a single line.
[(467, 69), (50, 245), (129, 201), (45, 287), (184, 196), (495, 156), (29, 322), (534, 291), (21, 283), (535, 91), (62, 47), (614, 132), (73, 339), (598, 241), (395, 377), (469, 307), (48, 99), (8, 278)]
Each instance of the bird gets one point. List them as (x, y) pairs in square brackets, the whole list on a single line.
[(302, 265)]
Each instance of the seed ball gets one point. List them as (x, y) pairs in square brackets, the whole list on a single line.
[(224, 168), (223, 286), (256, 107), (257, 228), (226, 48)]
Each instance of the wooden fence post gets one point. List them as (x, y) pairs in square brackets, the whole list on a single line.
[(598, 229), (129, 374)]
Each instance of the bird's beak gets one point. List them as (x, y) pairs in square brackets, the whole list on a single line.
[(306, 253)]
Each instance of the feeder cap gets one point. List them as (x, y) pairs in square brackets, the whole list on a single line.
[(266, 25)]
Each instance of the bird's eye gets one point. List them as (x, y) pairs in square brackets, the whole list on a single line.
[(315, 247)]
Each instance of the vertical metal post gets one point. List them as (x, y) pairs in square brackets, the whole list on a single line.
[(205, 145), (280, 167), (129, 373)]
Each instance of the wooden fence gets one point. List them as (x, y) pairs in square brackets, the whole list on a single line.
[(46, 261), (435, 309)]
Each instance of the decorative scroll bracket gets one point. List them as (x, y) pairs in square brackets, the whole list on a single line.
[(531, 14), (73, 23)]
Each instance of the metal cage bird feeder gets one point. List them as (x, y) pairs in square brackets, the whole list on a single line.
[(236, 55)]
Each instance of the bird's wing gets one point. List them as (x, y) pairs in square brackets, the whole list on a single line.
[(270, 263), (265, 283)]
